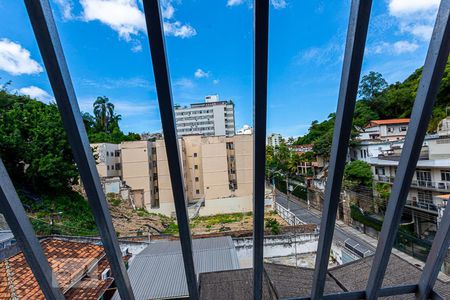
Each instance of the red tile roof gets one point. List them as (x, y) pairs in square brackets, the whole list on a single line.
[(388, 122), (70, 262)]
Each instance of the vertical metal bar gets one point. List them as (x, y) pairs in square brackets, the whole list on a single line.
[(436, 256), (260, 56), (162, 79), (426, 95), (20, 225), (47, 37), (353, 57)]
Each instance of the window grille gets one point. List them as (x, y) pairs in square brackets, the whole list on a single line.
[(44, 28)]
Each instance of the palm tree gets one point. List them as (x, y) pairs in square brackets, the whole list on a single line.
[(293, 163), (104, 113)]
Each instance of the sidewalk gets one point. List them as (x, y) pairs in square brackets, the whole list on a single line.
[(373, 242)]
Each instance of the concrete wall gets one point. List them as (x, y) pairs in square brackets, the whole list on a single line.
[(136, 171), (108, 159)]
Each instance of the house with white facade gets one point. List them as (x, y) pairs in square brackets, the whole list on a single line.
[(385, 130)]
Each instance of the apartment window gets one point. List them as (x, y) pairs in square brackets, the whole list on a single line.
[(107, 153), (117, 153), (195, 154), (154, 164), (112, 167), (196, 179), (153, 150), (107, 167), (425, 196), (112, 154), (379, 171), (390, 129), (445, 175), (423, 177), (118, 167), (404, 128), (156, 189), (196, 167), (197, 192), (155, 176)]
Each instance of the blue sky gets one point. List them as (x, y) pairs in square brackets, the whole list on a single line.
[(209, 45)]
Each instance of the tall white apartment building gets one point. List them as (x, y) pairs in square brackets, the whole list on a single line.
[(212, 117), (274, 140)]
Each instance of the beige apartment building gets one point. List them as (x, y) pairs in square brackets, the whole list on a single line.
[(108, 159), (217, 171)]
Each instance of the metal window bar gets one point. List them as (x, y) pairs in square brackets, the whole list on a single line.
[(44, 27), (261, 45), (353, 57), (436, 256), (20, 225), (162, 79), (433, 70), (46, 34)]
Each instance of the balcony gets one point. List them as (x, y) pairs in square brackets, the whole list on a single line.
[(422, 206), (440, 186)]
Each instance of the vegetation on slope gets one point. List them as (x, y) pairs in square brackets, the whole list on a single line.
[(378, 100), (37, 155)]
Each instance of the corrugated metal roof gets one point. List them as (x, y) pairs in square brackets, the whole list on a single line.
[(158, 271)]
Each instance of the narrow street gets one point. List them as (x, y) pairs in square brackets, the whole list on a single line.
[(313, 216)]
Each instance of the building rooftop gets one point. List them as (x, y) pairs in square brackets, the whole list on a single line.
[(353, 276), (426, 163), (388, 122), (157, 272), (282, 282), (70, 262)]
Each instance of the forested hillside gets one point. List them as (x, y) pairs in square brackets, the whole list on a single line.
[(378, 100)]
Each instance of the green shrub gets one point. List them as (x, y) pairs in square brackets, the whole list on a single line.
[(273, 225)]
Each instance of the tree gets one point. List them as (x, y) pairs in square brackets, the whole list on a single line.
[(358, 172), (34, 145), (104, 127), (371, 85), (293, 163), (104, 114)]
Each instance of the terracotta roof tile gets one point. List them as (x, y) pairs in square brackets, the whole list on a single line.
[(388, 121), (70, 262)]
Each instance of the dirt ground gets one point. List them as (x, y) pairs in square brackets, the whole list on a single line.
[(130, 222)]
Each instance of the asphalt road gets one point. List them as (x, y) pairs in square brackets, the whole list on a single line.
[(301, 211)]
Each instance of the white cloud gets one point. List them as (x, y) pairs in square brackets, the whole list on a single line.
[(234, 2), (127, 18), (125, 108), (123, 16), (397, 48), (415, 17), (331, 52), (279, 4), (216, 81), (118, 83), (17, 60), (184, 83), (66, 7), (405, 47), (201, 74), (399, 8), (177, 29), (137, 47), (36, 93)]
